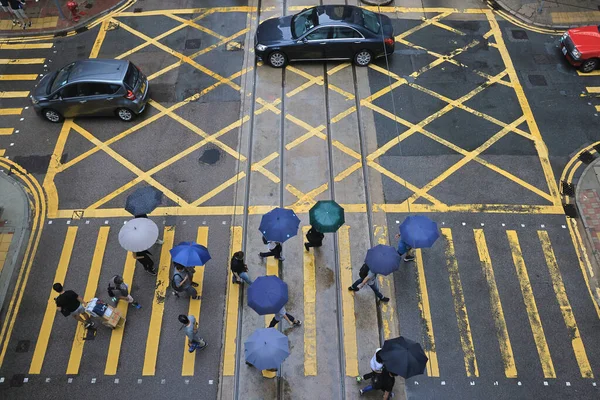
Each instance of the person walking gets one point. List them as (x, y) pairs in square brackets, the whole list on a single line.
[(182, 282), (404, 248), (376, 365), (70, 303), (7, 9), (367, 277), (144, 258), (118, 290), (191, 331), (159, 241), (274, 248), (17, 9), (239, 269), (288, 317), (314, 237), (384, 381)]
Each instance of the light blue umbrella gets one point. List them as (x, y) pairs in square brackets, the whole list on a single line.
[(418, 231), (189, 254), (266, 348)]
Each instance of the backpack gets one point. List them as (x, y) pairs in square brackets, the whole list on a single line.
[(364, 271), (174, 286)]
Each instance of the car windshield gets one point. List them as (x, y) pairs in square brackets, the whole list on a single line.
[(302, 22), (61, 78), (371, 21)]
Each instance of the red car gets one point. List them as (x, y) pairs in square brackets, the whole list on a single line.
[(581, 46)]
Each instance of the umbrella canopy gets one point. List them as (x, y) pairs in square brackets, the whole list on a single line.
[(266, 348), (418, 231), (138, 234), (326, 216), (383, 259), (279, 224), (143, 201), (403, 357), (189, 254), (267, 294)]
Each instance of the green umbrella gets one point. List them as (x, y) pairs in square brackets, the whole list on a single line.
[(326, 216)]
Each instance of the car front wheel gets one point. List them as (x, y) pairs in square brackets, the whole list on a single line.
[(589, 65), (363, 58), (52, 116), (277, 59), (125, 114)]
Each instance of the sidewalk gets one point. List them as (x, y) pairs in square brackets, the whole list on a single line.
[(553, 14)]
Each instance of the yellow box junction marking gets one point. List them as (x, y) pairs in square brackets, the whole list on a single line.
[(565, 306), (231, 313), (462, 318), (25, 46), (508, 359), (532, 312), (99, 39), (5, 240), (18, 77), (310, 312), (13, 95), (61, 271), (349, 318), (11, 111), (8, 61), (90, 293), (163, 279), (433, 369), (187, 368)]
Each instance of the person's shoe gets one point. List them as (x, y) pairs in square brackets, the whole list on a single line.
[(361, 392), (359, 379), (159, 241), (136, 305), (261, 257), (282, 258), (14, 22), (203, 347), (297, 322), (196, 297), (385, 299), (90, 324), (408, 259), (352, 289), (151, 272), (306, 246), (24, 26), (29, 24), (194, 284)]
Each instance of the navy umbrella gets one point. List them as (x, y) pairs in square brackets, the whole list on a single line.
[(267, 294), (266, 348), (279, 224), (189, 254), (403, 357), (383, 259), (418, 231), (143, 201)]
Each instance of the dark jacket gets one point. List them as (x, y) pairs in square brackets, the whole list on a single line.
[(314, 236)]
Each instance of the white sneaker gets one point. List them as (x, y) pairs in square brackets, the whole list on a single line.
[(282, 258), (159, 241)]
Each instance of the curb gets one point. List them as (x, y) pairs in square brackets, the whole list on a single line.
[(377, 2), (499, 4)]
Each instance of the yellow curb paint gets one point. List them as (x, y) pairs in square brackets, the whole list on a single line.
[(232, 308), (11, 111), (348, 317), (575, 18), (310, 312), (53, 167), (593, 73), (433, 369)]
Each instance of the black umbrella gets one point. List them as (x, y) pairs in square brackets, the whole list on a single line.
[(403, 357), (143, 200)]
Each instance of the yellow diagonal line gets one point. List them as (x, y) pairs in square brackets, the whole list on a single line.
[(193, 24), (448, 28), (423, 25), (342, 147), (338, 68), (347, 172), (312, 80), (268, 106), (219, 189), (294, 191), (343, 115), (259, 167)]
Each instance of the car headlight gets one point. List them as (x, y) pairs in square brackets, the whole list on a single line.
[(261, 47), (33, 100), (576, 54)]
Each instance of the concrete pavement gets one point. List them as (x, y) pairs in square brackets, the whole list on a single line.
[(551, 14)]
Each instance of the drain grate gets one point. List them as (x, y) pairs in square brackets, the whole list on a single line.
[(538, 80), (23, 346), (568, 189), (570, 210), (193, 44), (519, 34)]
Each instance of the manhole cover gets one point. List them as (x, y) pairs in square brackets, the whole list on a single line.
[(193, 44), (538, 80), (23, 346), (210, 156), (519, 34), (541, 59)]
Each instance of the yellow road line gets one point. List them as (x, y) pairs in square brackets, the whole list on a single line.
[(5, 61), (6, 131), (231, 312), (212, 193), (462, 318), (187, 368), (11, 111), (99, 39), (433, 369), (61, 271), (310, 316), (593, 73), (349, 318), (53, 166), (593, 89), (272, 269), (598, 108), (2, 151), (388, 314), (158, 303), (18, 77), (508, 359), (90, 293), (532, 312), (565, 306), (13, 95), (25, 46), (116, 337)]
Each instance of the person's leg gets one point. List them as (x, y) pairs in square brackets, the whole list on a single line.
[(369, 375), (19, 17), (277, 250), (192, 292), (267, 254), (410, 255), (355, 284), (293, 321), (246, 278), (375, 288), (273, 323), (367, 388)]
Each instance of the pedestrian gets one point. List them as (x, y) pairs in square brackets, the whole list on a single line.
[(70, 303), (239, 269), (7, 9), (118, 290), (182, 281), (367, 277), (404, 248), (274, 248), (17, 9), (384, 381), (191, 331), (158, 240), (144, 258), (314, 237), (288, 317), (376, 365)]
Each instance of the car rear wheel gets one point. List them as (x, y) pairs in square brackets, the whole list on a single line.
[(363, 58), (52, 116), (589, 65), (125, 114), (277, 59)]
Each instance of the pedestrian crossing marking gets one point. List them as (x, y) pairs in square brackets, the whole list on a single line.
[(158, 303), (18, 77), (272, 269), (460, 308), (532, 312), (42, 341), (506, 352), (11, 111), (231, 314), (310, 316), (13, 95), (565, 306), (25, 46), (187, 369), (593, 89), (348, 317), (9, 61), (593, 73), (116, 337), (6, 131), (598, 108), (433, 369), (388, 314), (90, 293)]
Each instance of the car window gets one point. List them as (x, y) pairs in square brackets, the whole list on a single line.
[(93, 89), (342, 32), (370, 21), (62, 77), (114, 88), (319, 34), (68, 91), (303, 22), (132, 76)]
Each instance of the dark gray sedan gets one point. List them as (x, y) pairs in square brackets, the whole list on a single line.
[(325, 33), (92, 87)]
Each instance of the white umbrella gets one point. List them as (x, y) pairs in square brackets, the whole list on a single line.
[(138, 234)]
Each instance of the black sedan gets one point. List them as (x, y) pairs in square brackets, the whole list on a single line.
[(325, 33)]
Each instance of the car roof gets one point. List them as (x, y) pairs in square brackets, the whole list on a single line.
[(334, 14), (98, 70)]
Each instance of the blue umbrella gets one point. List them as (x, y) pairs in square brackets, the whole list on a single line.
[(267, 294), (189, 254), (143, 200), (279, 224), (383, 259), (418, 231), (266, 348)]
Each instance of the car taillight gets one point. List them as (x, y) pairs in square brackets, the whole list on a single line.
[(389, 41), (130, 95)]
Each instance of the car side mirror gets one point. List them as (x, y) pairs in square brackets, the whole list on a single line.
[(304, 40)]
